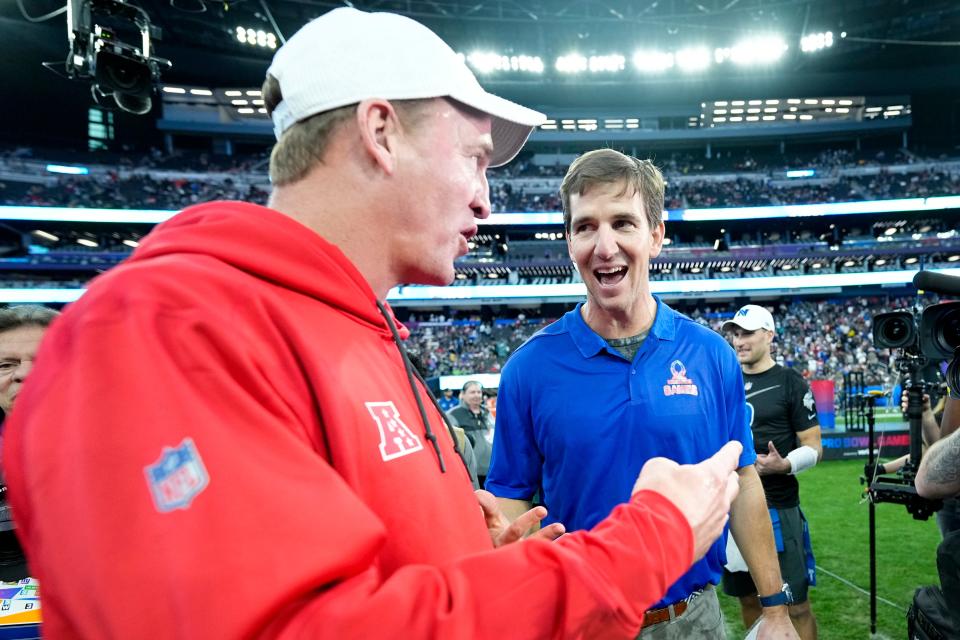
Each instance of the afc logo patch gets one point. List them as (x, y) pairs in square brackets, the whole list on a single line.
[(177, 477), (396, 438)]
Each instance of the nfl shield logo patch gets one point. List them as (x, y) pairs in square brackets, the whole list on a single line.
[(177, 477)]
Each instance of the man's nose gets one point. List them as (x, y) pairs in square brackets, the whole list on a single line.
[(606, 246), (481, 199)]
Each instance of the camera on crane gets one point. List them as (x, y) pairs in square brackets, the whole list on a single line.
[(122, 72)]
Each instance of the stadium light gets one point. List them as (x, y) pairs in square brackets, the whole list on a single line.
[(816, 41), (752, 51), (652, 61), (256, 37), (600, 64), (571, 63), (488, 62), (693, 59), (46, 235), (68, 170)]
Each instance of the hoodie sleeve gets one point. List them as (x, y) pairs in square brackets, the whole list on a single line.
[(165, 489)]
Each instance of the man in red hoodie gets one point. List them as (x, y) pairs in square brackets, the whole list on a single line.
[(224, 437)]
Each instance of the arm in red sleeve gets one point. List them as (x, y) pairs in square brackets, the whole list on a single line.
[(588, 584), (277, 544)]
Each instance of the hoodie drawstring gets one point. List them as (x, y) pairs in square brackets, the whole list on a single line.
[(428, 432)]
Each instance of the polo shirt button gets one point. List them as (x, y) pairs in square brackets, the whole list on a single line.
[(633, 371)]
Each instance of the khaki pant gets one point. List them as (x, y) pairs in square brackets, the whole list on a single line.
[(701, 621)]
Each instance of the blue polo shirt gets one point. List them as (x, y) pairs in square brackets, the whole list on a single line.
[(577, 421)]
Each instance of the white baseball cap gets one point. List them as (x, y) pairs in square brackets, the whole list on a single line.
[(346, 56), (750, 317)]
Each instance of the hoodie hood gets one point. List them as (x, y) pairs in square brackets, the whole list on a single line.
[(271, 246)]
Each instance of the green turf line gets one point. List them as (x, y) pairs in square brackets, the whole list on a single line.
[(861, 589)]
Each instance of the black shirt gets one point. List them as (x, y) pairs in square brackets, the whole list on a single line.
[(470, 421), (779, 404)]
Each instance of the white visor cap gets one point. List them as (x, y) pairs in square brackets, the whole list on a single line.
[(750, 318), (346, 56)]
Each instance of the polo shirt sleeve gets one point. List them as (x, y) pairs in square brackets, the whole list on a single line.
[(738, 427), (515, 464)]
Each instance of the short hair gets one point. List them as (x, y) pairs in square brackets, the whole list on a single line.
[(606, 166), (26, 315), (470, 383), (303, 145)]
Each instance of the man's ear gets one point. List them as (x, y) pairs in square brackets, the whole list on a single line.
[(570, 251), (379, 128), (656, 239)]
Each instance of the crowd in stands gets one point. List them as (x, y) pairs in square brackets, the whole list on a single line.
[(143, 191), (737, 192), (821, 339), (732, 161), (183, 161), (137, 192), (146, 182)]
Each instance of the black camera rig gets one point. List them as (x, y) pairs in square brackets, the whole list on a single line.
[(122, 74), (932, 335)]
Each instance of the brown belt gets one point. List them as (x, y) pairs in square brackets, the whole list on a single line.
[(656, 616)]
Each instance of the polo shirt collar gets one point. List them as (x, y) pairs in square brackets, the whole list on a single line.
[(589, 343)]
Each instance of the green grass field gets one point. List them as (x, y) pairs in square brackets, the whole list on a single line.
[(830, 494)]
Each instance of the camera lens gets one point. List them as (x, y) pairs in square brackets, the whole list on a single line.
[(894, 330), (948, 330)]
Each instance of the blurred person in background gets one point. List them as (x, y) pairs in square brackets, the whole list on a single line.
[(472, 416), (447, 401), (786, 434), (21, 330)]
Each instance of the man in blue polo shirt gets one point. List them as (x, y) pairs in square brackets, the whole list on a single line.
[(621, 379)]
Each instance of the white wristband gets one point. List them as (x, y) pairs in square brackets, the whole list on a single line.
[(801, 459)]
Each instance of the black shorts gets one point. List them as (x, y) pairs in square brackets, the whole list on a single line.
[(793, 561)]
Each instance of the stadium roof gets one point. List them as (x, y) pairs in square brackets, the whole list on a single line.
[(890, 46)]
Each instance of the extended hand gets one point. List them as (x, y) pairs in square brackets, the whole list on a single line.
[(702, 492), (777, 627), (771, 462), (502, 531), (904, 402)]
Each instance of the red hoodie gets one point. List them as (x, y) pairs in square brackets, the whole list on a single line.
[(219, 440)]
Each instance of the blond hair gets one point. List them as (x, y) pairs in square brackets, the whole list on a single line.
[(303, 145)]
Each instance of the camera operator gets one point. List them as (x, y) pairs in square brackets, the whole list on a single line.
[(948, 517), (939, 473)]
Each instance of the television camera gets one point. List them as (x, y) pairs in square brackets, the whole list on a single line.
[(121, 73), (922, 338)]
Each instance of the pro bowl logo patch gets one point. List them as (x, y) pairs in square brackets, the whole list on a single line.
[(679, 383), (177, 477)]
